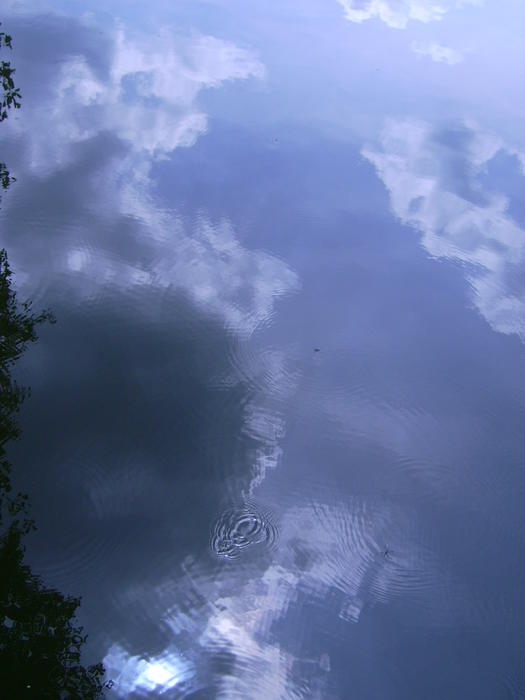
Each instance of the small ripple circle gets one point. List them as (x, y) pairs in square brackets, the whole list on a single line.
[(240, 527)]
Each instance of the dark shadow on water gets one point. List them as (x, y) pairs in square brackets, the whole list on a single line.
[(40, 640)]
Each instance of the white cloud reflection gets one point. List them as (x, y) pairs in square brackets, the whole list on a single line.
[(397, 13), (325, 549), (434, 186), (206, 262), (438, 52), (149, 98), (147, 101), (132, 673)]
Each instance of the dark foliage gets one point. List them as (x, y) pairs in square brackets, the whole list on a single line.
[(9, 99), (40, 642), (40, 645), (17, 328)]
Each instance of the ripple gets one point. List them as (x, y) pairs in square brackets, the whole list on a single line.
[(80, 558), (345, 544), (241, 527), (370, 552), (263, 370)]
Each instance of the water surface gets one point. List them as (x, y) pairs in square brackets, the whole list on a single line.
[(275, 440)]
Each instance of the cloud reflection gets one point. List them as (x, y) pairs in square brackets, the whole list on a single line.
[(97, 131), (434, 178), (95, 135), (438, 52), (325, 550), (206, 262), (397, 13), (147, 97), (133, 673)]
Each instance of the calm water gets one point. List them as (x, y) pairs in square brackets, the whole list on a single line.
[(276, 436)]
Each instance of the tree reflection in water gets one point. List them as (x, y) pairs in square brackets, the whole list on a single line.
[(40, 642)]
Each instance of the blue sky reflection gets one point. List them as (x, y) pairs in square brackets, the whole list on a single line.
[(286, 247)]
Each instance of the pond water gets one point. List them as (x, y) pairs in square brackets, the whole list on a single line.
[(275, 439)]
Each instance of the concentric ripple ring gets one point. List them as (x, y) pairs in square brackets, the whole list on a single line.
[(240, 527)]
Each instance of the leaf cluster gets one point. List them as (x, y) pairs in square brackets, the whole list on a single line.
[(40, 642), (40, 645), (18, 328), (10, 98), (11, 94)]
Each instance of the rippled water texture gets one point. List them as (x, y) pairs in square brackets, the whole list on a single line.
[(275, 440), (241, 527)]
